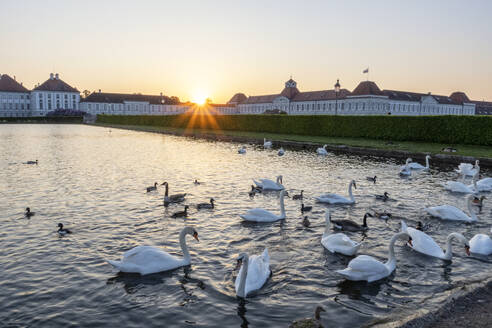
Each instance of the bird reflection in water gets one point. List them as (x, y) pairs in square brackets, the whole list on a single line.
[(241, 312), (358, 290)]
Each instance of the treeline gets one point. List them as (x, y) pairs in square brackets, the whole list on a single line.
[(449, 129)]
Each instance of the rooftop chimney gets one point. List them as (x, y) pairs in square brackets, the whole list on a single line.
[(161, 94), (15, 78), (56, 76), (51, 76), (99, 90)]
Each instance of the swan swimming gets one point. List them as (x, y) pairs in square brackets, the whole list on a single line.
[(322, 150), (254, 272), (484, 184), (423, 243), (337, 199), (367, 268), (150, 259), (481, 244), (405, 170), (460, 187), (418, 166), (267, 184), (281, 151), (448, 212), (338, 242), (261, 215), (267, 144), (468, 169)]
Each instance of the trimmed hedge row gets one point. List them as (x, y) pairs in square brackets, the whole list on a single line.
[(450, 129), (42, 119)]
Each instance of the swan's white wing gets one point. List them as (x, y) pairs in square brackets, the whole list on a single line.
[(485, 184), (340, 243), (416, 166), (365, 263), (258, 184), (423, 243), (456, 186), (332, 198), (270, 185), (481, 244), (321, 151), (448, 212), (259, 215), (147, 259)]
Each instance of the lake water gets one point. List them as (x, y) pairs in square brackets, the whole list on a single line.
[(93, 180)]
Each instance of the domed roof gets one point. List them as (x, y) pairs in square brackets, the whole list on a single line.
[(459, 97), (237, 98), (367, 88)]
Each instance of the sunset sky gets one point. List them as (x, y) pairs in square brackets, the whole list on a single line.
[(218, 48)]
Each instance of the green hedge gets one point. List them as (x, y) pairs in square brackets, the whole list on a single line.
[(450, 129), (42, 119)]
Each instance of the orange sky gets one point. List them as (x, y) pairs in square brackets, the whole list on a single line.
[(218, 48)]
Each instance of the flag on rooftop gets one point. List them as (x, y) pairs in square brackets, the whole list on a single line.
[(366, 70)]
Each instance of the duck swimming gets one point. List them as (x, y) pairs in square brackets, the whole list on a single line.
[(152, 188), (349, 225), (299, 196), (372, 179), (61, 230), (206, 205), (28, 212), (181, 213), (32, 162), (305, 208), (384, 197)]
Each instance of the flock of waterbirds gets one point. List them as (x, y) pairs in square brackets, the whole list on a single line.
[(254, 270)]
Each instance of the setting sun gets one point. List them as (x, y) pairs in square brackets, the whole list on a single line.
[(199, 98)]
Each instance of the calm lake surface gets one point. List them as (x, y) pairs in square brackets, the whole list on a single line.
[(93, 180)]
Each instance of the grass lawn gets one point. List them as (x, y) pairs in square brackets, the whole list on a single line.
[(434, 148)]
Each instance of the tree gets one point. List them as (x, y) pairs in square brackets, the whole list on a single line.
[(85, 93), (174, 100)]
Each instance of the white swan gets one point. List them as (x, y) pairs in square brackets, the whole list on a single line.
[(267, 144), (468, 169), (418, 166), (460, 187), (405, 169), (448, 212), (149, 259), (254, 272), (338, 242), (423, 243), (322, 150), (267, 184), (281, 151), (261, 215), (365, 267), (484, 184), (242, 150), (481, 244), (337, 199)]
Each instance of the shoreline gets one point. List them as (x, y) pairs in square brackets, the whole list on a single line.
[(464, 308), (439, 158)]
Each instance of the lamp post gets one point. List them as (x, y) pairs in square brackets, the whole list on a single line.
[(337, 90)]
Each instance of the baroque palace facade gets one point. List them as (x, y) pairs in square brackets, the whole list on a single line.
[(366, 99)]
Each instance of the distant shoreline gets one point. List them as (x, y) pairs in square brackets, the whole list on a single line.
[(311, 143)]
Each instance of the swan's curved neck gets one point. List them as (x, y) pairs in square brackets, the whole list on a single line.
[(328, 225), (391, 263), (350, 191), (241, 292), (469, 206), (167, 190), (426, 162), (184, 247), (448, 254), (282, 207)]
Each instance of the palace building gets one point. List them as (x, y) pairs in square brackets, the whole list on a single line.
[(366, 99)]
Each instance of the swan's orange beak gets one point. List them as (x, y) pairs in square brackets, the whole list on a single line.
[(238, 265), (195, 235), (467, 250)]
